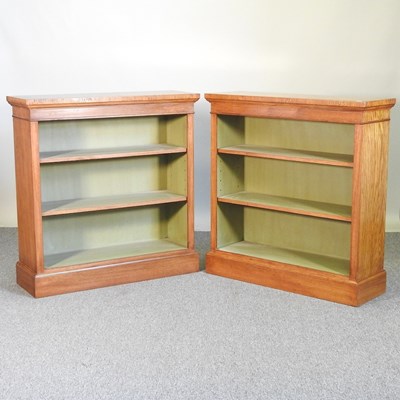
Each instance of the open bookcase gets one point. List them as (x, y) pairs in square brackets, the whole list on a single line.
[(104, 189), (299, 193)]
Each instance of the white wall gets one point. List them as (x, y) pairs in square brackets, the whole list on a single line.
[(325, 47)]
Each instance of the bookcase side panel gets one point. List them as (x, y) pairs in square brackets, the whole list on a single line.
[(177, 224), (187, 123), (176, 130), (230, 178), (370, 200), (213, 183), (28, 194), (177, 174), (230, 130), (230, 224)]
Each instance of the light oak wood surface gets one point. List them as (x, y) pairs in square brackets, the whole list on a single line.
[(289, 204), (298, 193), (48, 157), (72, 206), (104, 189), (117, 98), (289, 155)]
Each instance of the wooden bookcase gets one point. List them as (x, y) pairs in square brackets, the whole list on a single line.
[(104, 189), (298, 193)]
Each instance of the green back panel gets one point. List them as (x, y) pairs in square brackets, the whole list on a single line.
[(113, 228), (111, 132), (297, 232), (300, 135), (113, 177)]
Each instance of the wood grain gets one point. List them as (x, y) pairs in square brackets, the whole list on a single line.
[(190, 182), (319, 284), (280, 161), (99, 180), (76, 99), (289, 155), (152, 267), (106, 111), (370, 200), (214, 183), (301, 108), (290, 205), (359, 103), (27, 173), (50, 157), (92, 204)]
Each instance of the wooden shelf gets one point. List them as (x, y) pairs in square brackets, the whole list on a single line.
[(288, 256), (106, 153), (298, 193), (105, 189), (110, 253), (291, 205), (72, 206), (313, 157)]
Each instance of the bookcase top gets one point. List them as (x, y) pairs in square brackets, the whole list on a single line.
[(298, 99), (101, 98)]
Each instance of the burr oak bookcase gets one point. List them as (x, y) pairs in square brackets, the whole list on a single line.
[(299, 193), (104, 189)]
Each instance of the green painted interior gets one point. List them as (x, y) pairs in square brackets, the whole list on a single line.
[(110, 253), (298, 232), (314, 182), (80, 233), (176, 174), (288, 134), (291, 233), (112, 132), (175, 128), (312, 186), (289, 256), (98, 178), (230, 130), (230, 224), (177, 223), (230, 174), (83, 237)]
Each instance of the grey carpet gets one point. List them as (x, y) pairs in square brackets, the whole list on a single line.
[(196, 336)]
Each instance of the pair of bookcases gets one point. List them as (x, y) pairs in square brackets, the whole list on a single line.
[(105, 191)]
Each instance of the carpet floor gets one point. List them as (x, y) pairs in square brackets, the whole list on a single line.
[(196, 336)]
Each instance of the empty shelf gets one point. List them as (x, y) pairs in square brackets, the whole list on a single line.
[(315, 157), (72, 206), (110, 253), (110, 152), (287, 204), (289, 256)]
